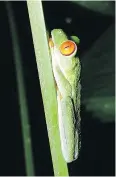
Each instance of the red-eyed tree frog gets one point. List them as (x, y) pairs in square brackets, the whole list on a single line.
[(66, 70)]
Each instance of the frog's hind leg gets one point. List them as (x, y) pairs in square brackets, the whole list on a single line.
[(68, 133)]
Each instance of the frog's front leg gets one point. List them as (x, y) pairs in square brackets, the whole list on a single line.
[(62, 83)]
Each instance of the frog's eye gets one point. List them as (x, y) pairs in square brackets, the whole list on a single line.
[(51, 44), (67, 48)]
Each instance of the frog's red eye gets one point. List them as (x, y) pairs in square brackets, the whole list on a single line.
[(51, 44), (67, 48)]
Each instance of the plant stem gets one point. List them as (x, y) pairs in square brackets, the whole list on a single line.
[(43, 60)]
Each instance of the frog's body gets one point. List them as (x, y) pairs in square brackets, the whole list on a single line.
[(66, 70)]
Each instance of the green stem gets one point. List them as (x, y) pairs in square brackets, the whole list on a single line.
[(47, 84)]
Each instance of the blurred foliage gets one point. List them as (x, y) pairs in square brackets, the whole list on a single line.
[(23, 104), (98, 77), (103, 7)]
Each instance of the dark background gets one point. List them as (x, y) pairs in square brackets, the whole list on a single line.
[(97, 154)]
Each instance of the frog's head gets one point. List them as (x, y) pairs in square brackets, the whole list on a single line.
[(66, 46)]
